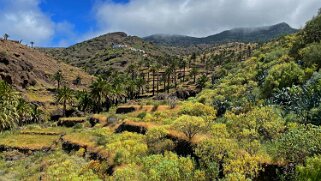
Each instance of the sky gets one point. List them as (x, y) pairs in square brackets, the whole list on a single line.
[(61, 23)]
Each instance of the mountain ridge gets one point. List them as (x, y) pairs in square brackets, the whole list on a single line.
[(255, 34)]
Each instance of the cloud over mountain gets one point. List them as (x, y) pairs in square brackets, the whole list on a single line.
[(200, 17)]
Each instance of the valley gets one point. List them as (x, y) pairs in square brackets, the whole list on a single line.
[(239, 105)]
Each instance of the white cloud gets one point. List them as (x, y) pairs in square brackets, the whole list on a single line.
[(200, 17), (22, 19)]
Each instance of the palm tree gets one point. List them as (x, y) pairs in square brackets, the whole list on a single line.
[(24, 111), (131, 88), (97, 93), (6, 36), (147, 64), (201, 82), (140, 82), (32, 43), (58, 77), (174, 65), (193, 73), (84, 100), (192, 59), (64, 96), (182, 65), (131, 70), (158, 67), (108, 94), (168, 73), (153, 69)]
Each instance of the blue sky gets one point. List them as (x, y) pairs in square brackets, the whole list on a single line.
[(61, 23)]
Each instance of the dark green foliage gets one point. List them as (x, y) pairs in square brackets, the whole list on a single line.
[(298, 143), (311, 55), (281, 76)]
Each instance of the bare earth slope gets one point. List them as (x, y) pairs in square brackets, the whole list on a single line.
[(24, 67)]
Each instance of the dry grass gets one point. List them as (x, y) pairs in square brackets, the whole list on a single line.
[(86, 141), (140, 124), (39, 96), (172, 133), (81, 139), (103, 119), (46, 131), (73, 119), (28, 142)]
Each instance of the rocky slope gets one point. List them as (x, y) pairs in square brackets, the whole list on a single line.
[(110, 51), (25, 67)]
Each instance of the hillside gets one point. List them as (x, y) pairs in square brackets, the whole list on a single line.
[(110, 51), (230, 112), (25, 67), (258, 34)]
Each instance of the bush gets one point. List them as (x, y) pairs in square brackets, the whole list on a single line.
[(157, 141), (311, 170), (141, 115), (198, 109), (281, 76), (312, 55), (299, 143)]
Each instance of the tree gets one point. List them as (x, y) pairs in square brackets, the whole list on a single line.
[(168, 73), (6, 36), (64, 96), (213, 153), (97, 93), (140, 82), (311, 55), (174, 65), (192, 59), (32, 43), (193, 74), (58, 77), (190, 125), (312, 32), (9, 100), (84, 100), (182, 65), (201, 82), (131, 70), (154, 69)]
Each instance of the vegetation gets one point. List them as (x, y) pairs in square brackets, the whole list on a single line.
[(250, 114)]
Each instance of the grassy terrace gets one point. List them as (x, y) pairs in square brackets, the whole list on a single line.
[(45, 131), (27, 142)]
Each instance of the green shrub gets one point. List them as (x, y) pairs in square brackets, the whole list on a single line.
[(281, 76)]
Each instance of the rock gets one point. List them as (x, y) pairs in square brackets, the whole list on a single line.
[(55, 115)]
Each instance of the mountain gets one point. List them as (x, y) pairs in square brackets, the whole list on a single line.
[(104, 53), (25, 67), (258, 34)]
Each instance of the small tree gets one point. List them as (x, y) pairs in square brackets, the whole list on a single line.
[(58, 77), (201, 82), (64, 96), (190, 125), (193, 73)]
